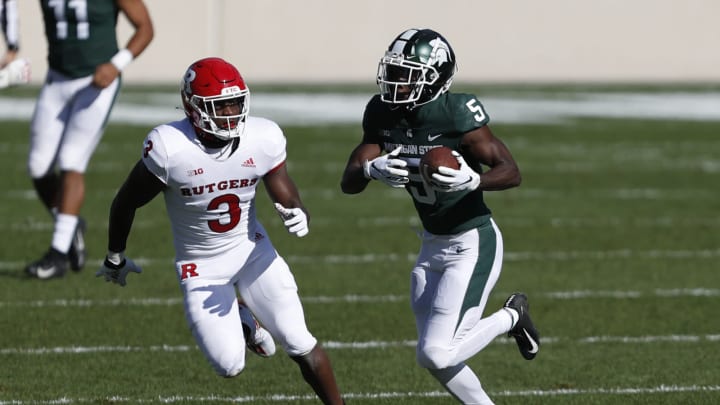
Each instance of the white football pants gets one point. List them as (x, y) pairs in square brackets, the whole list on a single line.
[(68, 123), (263, 279)]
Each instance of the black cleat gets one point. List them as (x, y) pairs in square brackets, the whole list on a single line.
[(524, 332), (53, 264), (77, 253)]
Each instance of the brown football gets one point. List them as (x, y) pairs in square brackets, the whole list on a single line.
[(435, 157)]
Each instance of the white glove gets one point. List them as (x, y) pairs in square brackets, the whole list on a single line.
[(388, 169), (294, 220), (117, 272), (448, 180), (14, 73)]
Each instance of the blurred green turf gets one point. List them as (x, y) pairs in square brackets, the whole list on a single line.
[(622, 213)]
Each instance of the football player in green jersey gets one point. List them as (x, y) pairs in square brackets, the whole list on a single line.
[(82, 82), (462, 248)]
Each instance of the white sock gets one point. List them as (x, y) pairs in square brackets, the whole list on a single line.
[(64, 231), (484, 332), (514, 315)]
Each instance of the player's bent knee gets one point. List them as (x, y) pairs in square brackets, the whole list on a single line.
[(38, 169), (229, 373), (229, 367), (299, 345), (433, 357)]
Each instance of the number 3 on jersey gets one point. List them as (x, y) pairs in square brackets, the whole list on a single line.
[(232, 203), (475, 106)]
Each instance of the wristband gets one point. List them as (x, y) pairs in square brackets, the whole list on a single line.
[(115, 258), (121, 59)]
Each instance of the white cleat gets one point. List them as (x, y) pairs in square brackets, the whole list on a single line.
[(257, 338)]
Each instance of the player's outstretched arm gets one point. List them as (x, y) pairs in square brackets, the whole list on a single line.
[(284, 193), (139, 188)]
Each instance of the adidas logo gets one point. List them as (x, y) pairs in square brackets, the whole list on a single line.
[(248, 163)]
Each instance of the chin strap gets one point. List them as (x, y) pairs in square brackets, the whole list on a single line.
[(235, 144), (210, 141)]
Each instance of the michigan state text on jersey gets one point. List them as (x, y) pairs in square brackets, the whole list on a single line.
[(440, 123)]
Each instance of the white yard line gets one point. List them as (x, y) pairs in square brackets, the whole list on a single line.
[(284, 398), (33, 224), (371, 299), (409, 257), (612, 194), (557, 256), (367, 345)]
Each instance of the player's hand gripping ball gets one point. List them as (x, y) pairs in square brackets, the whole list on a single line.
[(434, 158)]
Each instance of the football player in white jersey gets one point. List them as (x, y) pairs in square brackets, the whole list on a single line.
[(208, 166)]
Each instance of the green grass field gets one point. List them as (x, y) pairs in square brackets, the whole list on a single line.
[(614, 234)]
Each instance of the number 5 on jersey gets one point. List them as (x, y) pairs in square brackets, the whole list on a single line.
[(475, 106)]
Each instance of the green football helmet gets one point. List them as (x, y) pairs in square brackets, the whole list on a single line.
[(417, 67)]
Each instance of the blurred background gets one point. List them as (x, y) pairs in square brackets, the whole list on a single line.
[(288, 41)]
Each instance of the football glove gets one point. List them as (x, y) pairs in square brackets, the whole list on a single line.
[(14, 73), (449, 180), (117, 273), (388, 169), (294, 220)]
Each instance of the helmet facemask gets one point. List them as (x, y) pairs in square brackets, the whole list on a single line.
[(216, 100), (404, 82), (210, 113)]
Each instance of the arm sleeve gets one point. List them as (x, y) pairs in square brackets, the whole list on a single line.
[(10, 27)]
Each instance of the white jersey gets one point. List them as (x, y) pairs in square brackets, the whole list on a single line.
[(210, 196)]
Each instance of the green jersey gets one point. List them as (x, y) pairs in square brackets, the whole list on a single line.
[(80, 33), (441, 122)]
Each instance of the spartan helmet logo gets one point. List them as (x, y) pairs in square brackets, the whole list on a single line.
[(440, 53)]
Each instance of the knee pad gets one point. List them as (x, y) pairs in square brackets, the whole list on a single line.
[(39, 167), (433, 357), (299, 345), (230, 366)]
